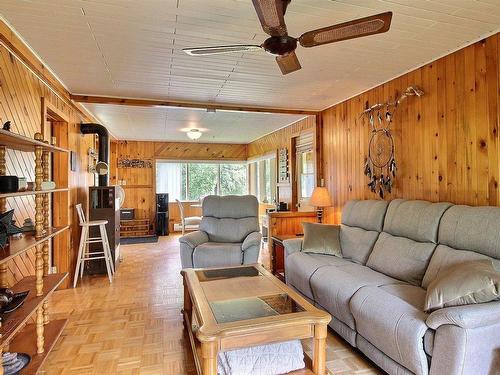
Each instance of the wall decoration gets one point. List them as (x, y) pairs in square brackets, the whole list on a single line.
[(7, 227), (135, 163), (283, 175), (380, 165)]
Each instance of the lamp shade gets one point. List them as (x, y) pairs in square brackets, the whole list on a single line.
[(320, 197)]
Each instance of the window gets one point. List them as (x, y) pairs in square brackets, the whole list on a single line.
[(263, 178), (191, 181)]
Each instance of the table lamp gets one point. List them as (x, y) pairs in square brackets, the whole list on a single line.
[(320, 198)]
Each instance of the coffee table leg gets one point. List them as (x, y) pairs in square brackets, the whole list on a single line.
[(209, 358), (319, 349)]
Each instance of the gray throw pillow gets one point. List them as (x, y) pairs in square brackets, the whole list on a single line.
[(322, 239), (465, 284)]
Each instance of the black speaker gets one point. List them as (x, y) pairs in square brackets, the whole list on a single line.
[(162, 216), (161, 202)]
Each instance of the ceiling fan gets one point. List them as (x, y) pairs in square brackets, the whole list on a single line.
[(271, 15)]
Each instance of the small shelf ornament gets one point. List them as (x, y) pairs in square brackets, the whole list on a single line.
[(380, 165)]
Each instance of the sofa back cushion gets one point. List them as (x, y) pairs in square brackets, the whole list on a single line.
[(414, 219), (404, 248), (362, 222), (472, 228), (401, 258), (229, 218), (366, 214), (465, 234)]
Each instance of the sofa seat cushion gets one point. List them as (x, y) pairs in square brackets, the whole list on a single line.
[(216, 254), (299, 267), (391, 319), (333, 287)]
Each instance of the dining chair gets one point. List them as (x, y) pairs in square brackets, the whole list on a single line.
[(190, 220)]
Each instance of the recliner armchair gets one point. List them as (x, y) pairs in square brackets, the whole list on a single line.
[(228, 235)]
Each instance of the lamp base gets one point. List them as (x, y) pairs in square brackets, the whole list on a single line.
[(319, 214)]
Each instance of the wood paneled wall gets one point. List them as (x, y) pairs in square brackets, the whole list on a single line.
[(20, 102), (140, 185), (447, 141), (280, 138)]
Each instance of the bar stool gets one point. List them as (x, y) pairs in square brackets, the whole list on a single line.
[(84, 254)]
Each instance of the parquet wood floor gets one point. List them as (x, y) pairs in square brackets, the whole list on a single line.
[(134, 326)]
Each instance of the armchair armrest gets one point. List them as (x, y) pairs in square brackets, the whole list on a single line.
[(468, 316), (253, 239), (194, 239), (292, 245)]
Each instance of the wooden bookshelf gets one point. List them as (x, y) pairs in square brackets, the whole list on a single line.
[(14, 321), (25, 342), (31, 192), (19, 246), (19, 142), (39, 337)]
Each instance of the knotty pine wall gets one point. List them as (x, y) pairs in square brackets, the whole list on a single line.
[(140, 188), (447, 141), (20, 102), (280, 138)]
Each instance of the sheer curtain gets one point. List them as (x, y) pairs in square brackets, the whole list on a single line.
[(168, 179)]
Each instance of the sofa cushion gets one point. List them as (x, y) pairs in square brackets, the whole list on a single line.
[(357, 243), (299, 267), (333, 287), (365, 214), (414, 219), (321, 239), (394, 325), (216, 254), (445, 257), (472, 228), (401, 258), (464, 284)]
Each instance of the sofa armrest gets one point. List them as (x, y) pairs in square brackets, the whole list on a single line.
[(292, 245), (194, 239), (468, 316), (253, 239)]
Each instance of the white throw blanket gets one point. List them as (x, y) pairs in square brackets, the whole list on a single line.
[(270, 359)]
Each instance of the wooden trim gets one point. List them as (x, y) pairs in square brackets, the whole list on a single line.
[(185, 104)]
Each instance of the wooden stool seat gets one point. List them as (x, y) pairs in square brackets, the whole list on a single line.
[(94, 223), (84, 255)]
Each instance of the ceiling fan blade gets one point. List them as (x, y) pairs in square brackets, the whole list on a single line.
[(379, 23), (288, 63), (271, 16), (203, 51)]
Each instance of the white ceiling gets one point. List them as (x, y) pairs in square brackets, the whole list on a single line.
[(160, 123), (132, 48)]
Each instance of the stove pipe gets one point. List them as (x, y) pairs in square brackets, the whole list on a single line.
[(103, 153)]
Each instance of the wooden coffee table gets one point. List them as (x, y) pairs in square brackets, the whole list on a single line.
[(236, 307)]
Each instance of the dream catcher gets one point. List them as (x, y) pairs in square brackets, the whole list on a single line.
[(380, 165)]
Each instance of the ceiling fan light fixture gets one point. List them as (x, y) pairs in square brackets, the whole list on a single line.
[(194, 134)]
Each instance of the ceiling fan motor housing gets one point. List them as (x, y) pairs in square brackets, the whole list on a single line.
[(280, 45)]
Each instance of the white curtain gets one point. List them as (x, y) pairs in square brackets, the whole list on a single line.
[(168, 179)]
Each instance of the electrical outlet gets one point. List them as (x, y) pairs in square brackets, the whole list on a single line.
[(53, 269)]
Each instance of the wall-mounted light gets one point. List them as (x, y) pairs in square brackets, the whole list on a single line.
[(194, 134)]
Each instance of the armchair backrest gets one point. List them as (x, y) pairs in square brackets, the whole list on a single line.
[(229, 218)]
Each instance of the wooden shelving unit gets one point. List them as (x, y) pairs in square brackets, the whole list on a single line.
[(36, 339), (31, 192), (135, 228)]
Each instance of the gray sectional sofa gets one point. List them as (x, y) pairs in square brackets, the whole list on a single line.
[(375, 293)]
